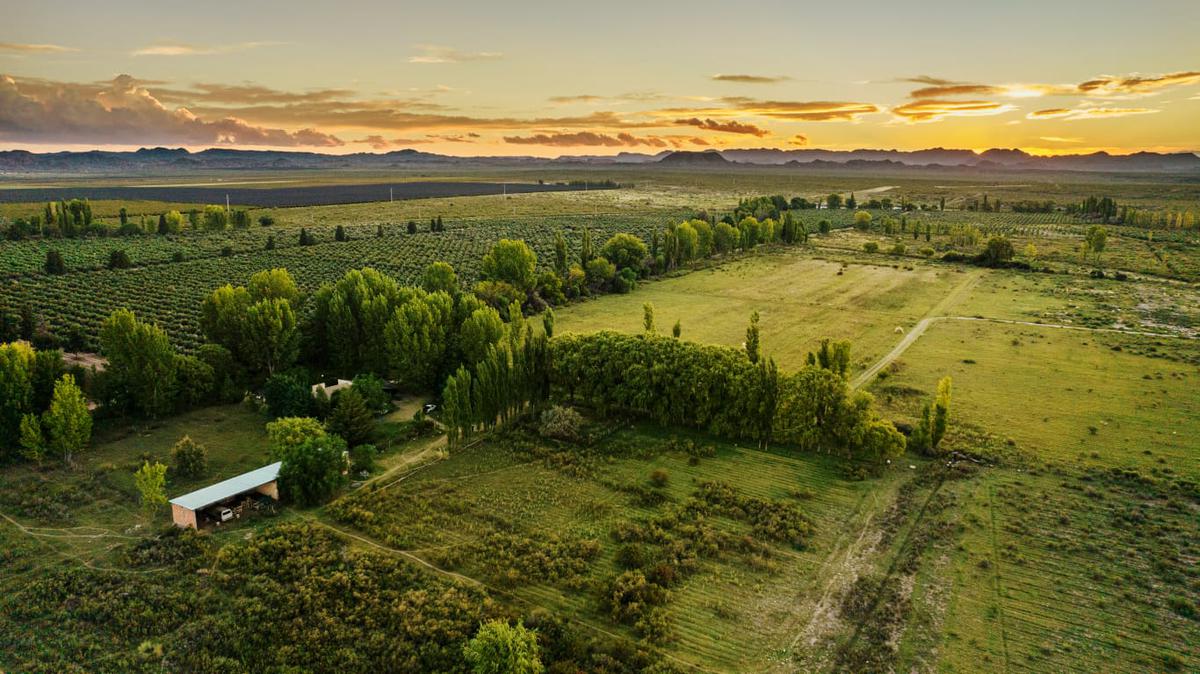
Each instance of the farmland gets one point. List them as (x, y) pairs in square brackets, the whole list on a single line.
[(1054, 531), (309, 195)]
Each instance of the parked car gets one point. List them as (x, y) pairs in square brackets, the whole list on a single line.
[(220, 514)]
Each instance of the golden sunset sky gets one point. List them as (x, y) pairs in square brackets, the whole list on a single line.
[(551, 78)]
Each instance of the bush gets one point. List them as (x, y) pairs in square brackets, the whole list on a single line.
[(898, 249), (871, 247), (926, 252), (659, 478), (561, 423), (362, 459), (625, 281), (191, 459)]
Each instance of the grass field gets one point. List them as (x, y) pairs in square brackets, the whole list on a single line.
[(1062, 395), (800, 300)]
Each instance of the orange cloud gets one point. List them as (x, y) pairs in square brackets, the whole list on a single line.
[(808, 111), (24, 48), (798, 139), (1107, 85), (933, 110), (1088, 113), (433, 53), (124, 112), (587, 138), (750, 79), (179, 49), (724, 127)]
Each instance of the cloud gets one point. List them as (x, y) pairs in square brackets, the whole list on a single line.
[(724, 127), (798, 139), (454, 137), (23, 48), (1137, 85), (180, 49), (579, 98), (956, 90), (934, 110), (380, 143), (124, 112), (1067, 114), (807, 111), (1060, 139), (432, 53), (244, 94), (588, 138), (929, 81), (750, 79)]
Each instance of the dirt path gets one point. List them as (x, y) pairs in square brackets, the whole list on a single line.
[(937, 311)]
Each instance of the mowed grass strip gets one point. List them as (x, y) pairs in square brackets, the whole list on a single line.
[(800, 300)]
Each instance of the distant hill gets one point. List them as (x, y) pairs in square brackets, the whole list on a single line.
[(706, 158), (161, 160)]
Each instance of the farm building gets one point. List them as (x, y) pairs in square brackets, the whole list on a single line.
[(185, 509), (332, 388)]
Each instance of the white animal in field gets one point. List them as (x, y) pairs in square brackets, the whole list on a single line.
[(899, 330)]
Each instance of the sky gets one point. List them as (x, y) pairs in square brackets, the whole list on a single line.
[(526, 77)]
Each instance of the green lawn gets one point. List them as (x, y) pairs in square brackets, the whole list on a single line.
[(1063, 395), (800, 300)]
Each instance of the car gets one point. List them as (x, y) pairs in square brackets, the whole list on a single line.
[(220, 514)]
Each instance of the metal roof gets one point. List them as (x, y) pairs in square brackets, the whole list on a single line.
[(220, 491)]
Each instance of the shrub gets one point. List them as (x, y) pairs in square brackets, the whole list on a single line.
[(561, 423), (191, 459), (659, 478), (898, 249), (871, 247), (926, 252)]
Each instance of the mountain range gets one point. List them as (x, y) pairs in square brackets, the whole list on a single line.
[(161, 159)]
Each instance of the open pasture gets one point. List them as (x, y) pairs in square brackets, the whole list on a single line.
[(800, 300), (1079, 397)]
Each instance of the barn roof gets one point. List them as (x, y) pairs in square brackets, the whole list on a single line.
[(215, 493)]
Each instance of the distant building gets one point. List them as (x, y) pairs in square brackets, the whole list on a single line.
[(184, 508), (332, 388)]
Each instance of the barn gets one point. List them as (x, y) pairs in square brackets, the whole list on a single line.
[(186, 509)]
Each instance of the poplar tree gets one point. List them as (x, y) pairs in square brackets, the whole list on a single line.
[(752, 345)]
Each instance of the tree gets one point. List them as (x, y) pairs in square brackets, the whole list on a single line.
[(195, 382), (585, 248), (648, 317), (599, 273), (67, 424), (313, 469), (548, 322), (16, 390), (999, 251), (151, 483), (351, 418), (862, 221), (191, 459), (273, 284), (270, 337), (287, 432), (440, 277), (626, 251), (941, 412), (832, 356), (417, 338), (141, 365), (725, 238), (851, 203), (513, 262), (33, 444), (286, 396), (371, 388), (347, 321), (677, 330), (1095, 240), (500, 648), (478, 332), (560, 253), (119, 259), (752, 345), (833, 201), (54, 263)]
